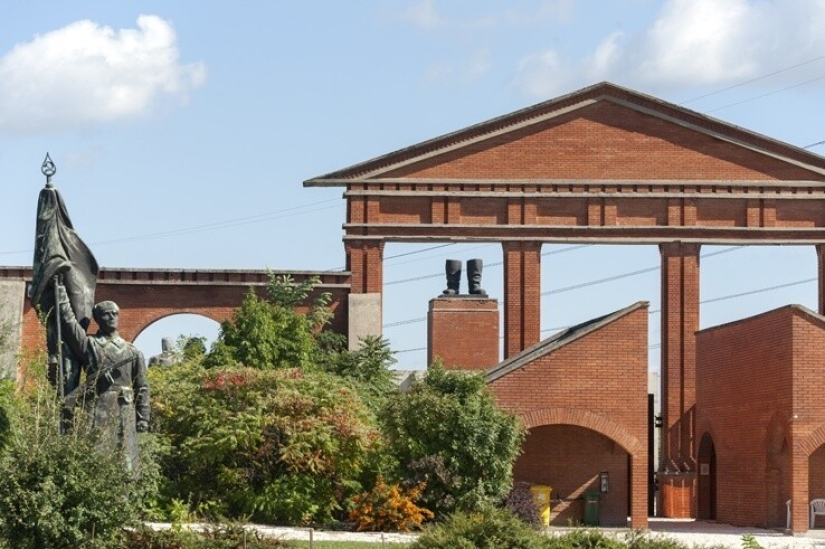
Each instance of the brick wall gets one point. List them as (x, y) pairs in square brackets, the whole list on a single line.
[(596, 386), (759, 396), (463, 332)]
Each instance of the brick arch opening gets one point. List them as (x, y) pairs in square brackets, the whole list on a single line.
[(571, 460), (587, 419), (149, 339)]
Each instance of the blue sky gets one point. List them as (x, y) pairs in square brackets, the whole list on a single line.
[(182, 131)]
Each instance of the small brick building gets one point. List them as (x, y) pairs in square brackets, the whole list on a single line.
[(760, 420), (582, 393)]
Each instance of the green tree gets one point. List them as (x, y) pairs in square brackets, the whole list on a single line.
[(268, 333), (367, 368), (448, 432)]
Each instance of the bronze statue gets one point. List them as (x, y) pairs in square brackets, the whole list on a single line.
[(453, 270), (474, 268), (115, 392)]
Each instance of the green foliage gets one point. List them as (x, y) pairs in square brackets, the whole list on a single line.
[(216, 537), (7, 411), (61, 491), (278, 445), (368, 367), (585, 539), (448, 432), (263, 335), (749, 542), (284, 292), (639, 539), (486, 529)]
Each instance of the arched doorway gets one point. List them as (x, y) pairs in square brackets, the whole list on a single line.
[(707, 479), (571, 459)]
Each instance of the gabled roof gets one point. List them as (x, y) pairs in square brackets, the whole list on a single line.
[(557, 341), (476, 134)]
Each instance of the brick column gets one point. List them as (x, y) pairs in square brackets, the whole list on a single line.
[(820, 270), (365, 261), (522, 292), (680, 321)]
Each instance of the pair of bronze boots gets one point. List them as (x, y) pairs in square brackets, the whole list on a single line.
[(453, 269)]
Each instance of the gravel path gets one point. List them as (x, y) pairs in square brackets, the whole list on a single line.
[(691, 532)]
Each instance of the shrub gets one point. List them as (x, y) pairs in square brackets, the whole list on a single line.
[(520, 502), (216, 537), (487, 529), (277, 445), (448, 431), (583, 538), (60, 491), (387, 508)]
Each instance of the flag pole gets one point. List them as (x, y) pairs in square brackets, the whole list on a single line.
[(60, 380), (49, 169)]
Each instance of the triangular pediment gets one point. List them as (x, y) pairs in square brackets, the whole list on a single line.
[(599, 133)]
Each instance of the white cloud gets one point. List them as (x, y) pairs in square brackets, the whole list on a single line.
[(84, 75), (705, 42), (424, 15)]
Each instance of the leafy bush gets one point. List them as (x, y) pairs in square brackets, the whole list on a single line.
[(637, 539), (585, 538), (279, 445), (60, 491), (387, 508), (448, 432), (520, 502), (487, 529)]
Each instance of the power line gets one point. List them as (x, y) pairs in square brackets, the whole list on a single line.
[(228, 223), (752, 80), (767, 94), (564, 289)]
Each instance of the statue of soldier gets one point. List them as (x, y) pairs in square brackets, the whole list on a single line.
[(115, 392)]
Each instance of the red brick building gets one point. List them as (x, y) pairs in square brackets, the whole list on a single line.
[(582, 394), (760, 419)]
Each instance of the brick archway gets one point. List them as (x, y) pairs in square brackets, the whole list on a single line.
[(583, 418), (148, 295)]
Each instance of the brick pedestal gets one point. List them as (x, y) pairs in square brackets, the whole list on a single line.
[(463, 332)]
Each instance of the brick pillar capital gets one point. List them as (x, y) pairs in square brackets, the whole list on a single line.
[(679, 248)]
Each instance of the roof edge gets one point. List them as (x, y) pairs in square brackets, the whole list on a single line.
[(558, 340), (793, 307)]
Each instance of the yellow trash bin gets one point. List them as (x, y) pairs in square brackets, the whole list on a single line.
[(541, 497)]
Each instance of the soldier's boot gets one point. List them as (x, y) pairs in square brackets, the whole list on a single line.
[(474, 268), (453, 270)]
